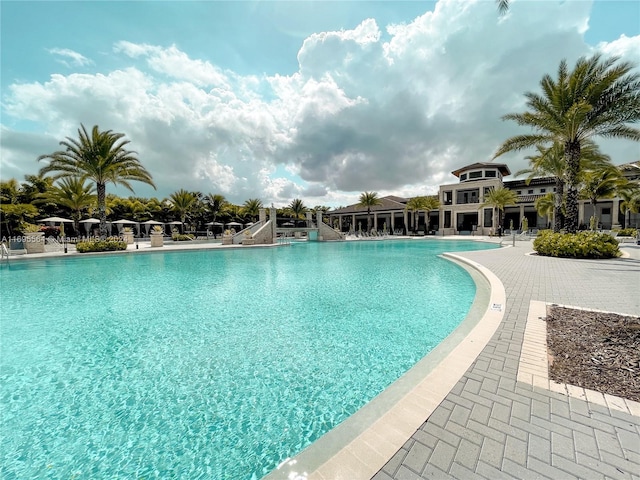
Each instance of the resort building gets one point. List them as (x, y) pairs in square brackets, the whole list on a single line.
[(460, 212)]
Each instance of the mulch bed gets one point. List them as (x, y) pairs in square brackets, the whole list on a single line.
[(595, 350)]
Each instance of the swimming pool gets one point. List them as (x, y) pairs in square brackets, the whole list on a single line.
[(210, 364)]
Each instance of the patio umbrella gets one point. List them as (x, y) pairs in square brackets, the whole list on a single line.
[(215, 224), (234, 224)]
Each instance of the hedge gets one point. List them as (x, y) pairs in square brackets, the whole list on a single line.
[(101, 246), (578, 245)]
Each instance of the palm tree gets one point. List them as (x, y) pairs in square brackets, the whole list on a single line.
[(215, 204), (182, 202), (600, 183), (550, 161), (546, 206), (101, 157), (430, 203), (598, 98), (499, 198), (414, 205), (297, 209), (368, 200), (251, 208), (503, 6), (72, 193), (630, 204)]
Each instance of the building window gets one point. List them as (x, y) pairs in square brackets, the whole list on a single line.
[(518, 192), (554, 189), (475, 175), (487, 190), (447, 219), (606, 211), (488, 217), (529, 192), (463, 177), (543, 190), (467, 196), (447, 197), (490, 173)]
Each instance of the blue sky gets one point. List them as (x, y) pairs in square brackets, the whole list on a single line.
[(318, 100)]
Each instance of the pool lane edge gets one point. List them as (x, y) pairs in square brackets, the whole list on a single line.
[(361, 445)]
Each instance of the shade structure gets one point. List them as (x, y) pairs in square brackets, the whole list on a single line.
[(214, 224), (120, 223), (56, 220), (148, 223), (88, 222), (233, 224)]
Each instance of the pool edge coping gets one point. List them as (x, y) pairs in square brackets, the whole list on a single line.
[(360, 456)]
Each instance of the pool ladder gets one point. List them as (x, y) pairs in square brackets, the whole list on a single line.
[(4, 252)]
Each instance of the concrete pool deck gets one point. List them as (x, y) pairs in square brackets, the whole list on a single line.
[(492, 415)]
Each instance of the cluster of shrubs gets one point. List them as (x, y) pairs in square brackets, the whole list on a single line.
[(578, 245), (626, 232), (108, 245), (178, 237)]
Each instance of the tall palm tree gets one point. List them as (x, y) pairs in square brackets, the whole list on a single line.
[(600, 97), (368, 200), (251, 208), (182, 202), (101, 157), (499, 198), (600, 183), (297, 209), (72, 193)]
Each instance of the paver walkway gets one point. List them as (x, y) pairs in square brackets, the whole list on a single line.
[(490, 426)]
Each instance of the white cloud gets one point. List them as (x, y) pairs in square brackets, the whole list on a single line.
[(69, 58), (393, 112)]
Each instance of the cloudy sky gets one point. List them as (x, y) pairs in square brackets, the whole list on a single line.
[(318, 100)]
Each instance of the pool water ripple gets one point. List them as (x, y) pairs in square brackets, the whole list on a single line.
[(209, 364)]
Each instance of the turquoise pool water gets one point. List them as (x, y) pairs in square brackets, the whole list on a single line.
[(209, 364)]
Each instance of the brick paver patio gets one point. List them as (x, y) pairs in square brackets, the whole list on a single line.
[(492, 426)]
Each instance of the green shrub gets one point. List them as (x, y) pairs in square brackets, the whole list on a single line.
[(178, 237), (579, 245), (626, 232), (100, 246)]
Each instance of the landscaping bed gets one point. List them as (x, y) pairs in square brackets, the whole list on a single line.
[(595, 350)]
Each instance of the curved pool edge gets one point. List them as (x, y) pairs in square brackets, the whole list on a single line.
[(361, 445)]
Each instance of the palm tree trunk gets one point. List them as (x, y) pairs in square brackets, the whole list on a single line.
[(102, 209), (572, 157), (558, 216), (368, 220)]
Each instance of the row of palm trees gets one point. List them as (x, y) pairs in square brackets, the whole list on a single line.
[(74, 197)]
